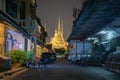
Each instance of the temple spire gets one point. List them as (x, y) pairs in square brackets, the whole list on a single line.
[(62, 28), (45, 26), (57, 40), (59, 28), (55, 33)]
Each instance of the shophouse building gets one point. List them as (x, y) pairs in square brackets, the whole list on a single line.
[(20, 28), (99, 23)]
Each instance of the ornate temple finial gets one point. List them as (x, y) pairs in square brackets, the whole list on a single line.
[(55, 33), (62, 26), (45, 27), (59, 26)]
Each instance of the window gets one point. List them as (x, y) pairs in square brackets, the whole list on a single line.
[(22, 10), (11, 8)]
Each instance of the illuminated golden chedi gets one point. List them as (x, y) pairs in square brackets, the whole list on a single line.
[(57, 40)]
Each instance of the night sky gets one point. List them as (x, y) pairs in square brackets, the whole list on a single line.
[(49, 11)]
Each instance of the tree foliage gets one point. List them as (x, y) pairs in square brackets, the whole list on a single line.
[(60, 50)]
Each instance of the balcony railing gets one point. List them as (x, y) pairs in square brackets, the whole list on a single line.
[(20, 22)]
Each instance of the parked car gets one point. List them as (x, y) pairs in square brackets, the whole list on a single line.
[(48, 57)]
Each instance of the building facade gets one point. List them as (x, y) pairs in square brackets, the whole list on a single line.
[(20, 28), (13, 35), (99, 23)]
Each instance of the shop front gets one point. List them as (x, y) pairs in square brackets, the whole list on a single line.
[(12, 36), (11, 39), (14, 40)]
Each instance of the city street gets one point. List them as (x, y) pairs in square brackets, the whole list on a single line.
[(39, 37), (64, 71)]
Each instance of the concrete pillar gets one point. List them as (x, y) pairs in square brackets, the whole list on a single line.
[(26, 44), (34, 50), (29, 45)]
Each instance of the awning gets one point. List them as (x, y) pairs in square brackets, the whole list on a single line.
[(8, 19), (95, 17)]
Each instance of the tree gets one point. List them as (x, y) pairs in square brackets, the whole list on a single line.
[(60, 50)]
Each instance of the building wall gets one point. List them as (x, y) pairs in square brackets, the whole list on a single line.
[(22, 12), (79, 49), (38, 51), (2, 38), (2, 5)]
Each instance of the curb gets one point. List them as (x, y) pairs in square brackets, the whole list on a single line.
[(10, 72)]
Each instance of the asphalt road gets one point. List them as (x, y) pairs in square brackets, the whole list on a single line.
[(64, 71)]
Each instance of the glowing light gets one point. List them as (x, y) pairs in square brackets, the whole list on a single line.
[(103, 32), (110, 35), (57, 40), (91, 38)]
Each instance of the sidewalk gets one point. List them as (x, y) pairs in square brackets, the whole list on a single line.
[(10, 72)]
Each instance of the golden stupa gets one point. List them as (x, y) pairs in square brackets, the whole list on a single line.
[(57, 40)]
